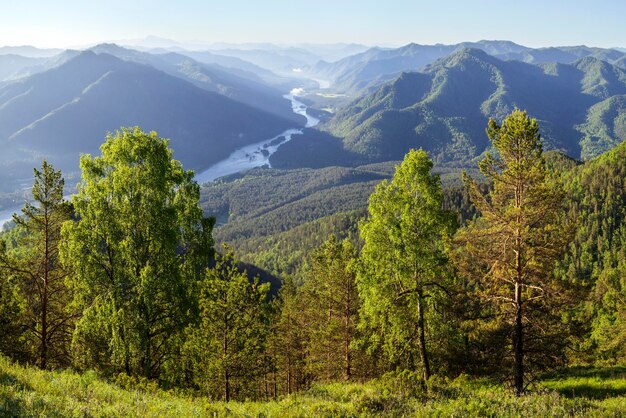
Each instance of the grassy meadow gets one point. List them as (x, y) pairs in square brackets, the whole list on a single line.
[(576, 392)]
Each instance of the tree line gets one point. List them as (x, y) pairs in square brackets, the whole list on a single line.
[(124, 279)]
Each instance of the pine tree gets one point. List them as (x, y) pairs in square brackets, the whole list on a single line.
[(41, 278), (228, 344), (14, 339), (331, 311), (511, 250), (288, 340)]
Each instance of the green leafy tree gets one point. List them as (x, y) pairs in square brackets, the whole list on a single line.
[(595, 260), (34, 263), (403, 259), (13, 339), (511, 250), (138, 249), (332, 311), (609, 324), (228, 344)]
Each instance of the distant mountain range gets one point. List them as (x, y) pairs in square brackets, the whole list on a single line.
[(279, 58), (30, 51), (65, 111), (241, 85), (361, 73), (581, 109), (12, 65), (212, 99)]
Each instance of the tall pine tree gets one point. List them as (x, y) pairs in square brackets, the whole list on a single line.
[(288, 340), (332, 311), (510, 251), (228, 344), (34, 263)]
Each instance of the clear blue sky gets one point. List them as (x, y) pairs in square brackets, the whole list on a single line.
[(536, 23)]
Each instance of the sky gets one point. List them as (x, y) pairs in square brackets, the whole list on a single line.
[(73, 23)]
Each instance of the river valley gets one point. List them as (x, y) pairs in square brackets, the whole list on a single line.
[(258, 154), (245, 158)]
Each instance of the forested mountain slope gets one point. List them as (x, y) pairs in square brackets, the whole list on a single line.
[(244, 86), (445, 108), (360, 73), (66, 111), (274, 229), (275, 217), (596, 258)]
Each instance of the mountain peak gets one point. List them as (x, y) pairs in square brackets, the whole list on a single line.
[(462, 56), (588, 61), (105, 45), (89, 60), (113, 49)]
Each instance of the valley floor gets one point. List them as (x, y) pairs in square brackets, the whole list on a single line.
[(582, 392)]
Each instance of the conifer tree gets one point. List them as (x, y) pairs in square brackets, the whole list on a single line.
[(288, 340), (34, 263), (228, 344), (13, 337), (331, 311), (511, 250)]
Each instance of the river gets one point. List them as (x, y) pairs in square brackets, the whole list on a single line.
[(258, 154), (250, 156)]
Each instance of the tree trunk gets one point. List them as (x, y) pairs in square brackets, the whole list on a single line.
[(226, 386), (44, 328), (518, 343), (347, 357), (126, 352), (147, 369), (422, 337), (44, 296), (518, 332), (275, 384), (224, 359), (289, 374), (348, 372)]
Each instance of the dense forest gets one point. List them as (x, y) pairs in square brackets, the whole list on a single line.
[(410, 277)]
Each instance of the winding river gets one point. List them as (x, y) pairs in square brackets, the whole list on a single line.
[(250, 156), (257, 155)]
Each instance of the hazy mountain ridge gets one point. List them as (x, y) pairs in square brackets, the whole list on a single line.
[(362, 72), (445, 108), (244, 82), (12, 65), (243, 86), (61, 113), (30, 51)]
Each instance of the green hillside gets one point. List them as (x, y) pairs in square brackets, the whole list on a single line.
[(445, 108), (275, 217)]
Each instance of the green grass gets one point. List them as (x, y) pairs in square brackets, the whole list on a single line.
[(590, 383), (577, 393)]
